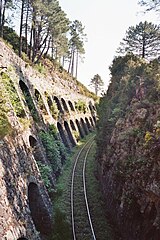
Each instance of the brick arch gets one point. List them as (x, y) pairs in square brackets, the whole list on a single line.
[(62, 134), (29, 100), (70, 136), (79, 129), (39, 212), (59, 106), (84, 125), (64, 105)]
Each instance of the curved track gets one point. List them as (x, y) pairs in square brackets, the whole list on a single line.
[(82, 227)]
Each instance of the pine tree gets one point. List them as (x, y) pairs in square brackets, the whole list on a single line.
[(150, 4), (76, 45), (142, 40), (97, 83)]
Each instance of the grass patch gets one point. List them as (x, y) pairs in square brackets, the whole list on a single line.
[(61, 198), (103, 229)]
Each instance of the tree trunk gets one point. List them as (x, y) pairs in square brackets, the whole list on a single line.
[(143, 46), (0, 17), (3, 18), (72, 65), (21, 28), (76, 63), (26, 28)]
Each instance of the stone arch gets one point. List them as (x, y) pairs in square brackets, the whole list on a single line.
[(91, 122), (58, 104), (39, 212), (72, 140), (29, 100), (40, 101), (79, 129), (71, 105), (88, 124), (65, 105), (84, 126), (62, 135)]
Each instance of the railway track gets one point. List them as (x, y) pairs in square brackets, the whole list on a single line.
[(82, 227)]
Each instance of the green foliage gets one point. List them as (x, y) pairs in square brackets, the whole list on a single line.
[(13, 96), (81, 106), (45, 171), (54, 110), (55, 150), (11, 37), (5, 127), (31, 106), (97, 83), (142, 40), (128, 75), (40, 68), (76, 135), (61, 226)]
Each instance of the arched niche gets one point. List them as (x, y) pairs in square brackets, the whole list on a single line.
[(70, 136), (62, 135), (40, 101), (72, 125), (64, 105), (84, 125), (39, 212), (29, 100), (94, 118), (22, 238), (59, 106), (35, 149), (79, 129), (71, 106), (88, 124), (91, 122), (90, 108)]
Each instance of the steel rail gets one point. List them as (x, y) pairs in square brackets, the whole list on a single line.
[(72, 190), (85, 191)]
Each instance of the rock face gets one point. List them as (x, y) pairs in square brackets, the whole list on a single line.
[(30, 103), (129, 169)]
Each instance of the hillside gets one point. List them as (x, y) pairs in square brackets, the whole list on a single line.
[(128, 143)]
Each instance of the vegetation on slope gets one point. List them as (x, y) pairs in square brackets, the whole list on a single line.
[(129, 73)]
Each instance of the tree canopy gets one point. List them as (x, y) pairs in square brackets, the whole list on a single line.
[(44, 30), (97, 83), (142, 40), (150, 4)]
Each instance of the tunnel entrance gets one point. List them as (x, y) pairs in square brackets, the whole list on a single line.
[(38, 210)]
